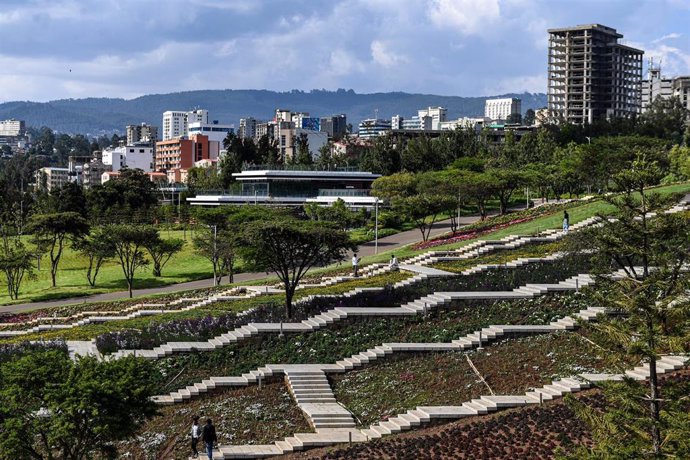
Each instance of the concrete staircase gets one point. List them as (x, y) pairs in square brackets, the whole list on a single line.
[(312, 392)]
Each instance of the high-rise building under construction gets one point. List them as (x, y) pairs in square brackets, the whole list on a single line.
[(591, 75)]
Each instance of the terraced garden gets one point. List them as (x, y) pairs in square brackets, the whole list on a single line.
[(437, 379), (344, 339)]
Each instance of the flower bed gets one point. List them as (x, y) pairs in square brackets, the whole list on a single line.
[(495, 223)]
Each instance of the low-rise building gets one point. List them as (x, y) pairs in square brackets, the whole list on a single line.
[(182, 153), (12, 128), (289, 187), (373, 127), (52, 178), (135, 156)]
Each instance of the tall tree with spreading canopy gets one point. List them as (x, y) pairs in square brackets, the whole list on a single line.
[(161, 251), (290, 247), (51, 231), (417, 198), (130, 242)]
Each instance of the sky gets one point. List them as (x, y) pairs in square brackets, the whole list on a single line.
[(54, 49)]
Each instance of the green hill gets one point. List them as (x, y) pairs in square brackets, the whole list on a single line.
[(105, 115)]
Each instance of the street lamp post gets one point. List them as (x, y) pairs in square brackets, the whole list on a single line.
[(215, 253), (376, 226)]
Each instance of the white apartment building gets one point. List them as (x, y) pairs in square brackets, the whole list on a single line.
[(136, 156), (502, 109), (214, 131), (12, 128), (176, 123), (438, 115)]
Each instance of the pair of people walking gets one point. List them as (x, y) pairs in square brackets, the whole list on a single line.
[(207, 434)]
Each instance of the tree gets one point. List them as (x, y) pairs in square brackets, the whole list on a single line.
[(420, 155), (505, 182), (16, 262), (267, 151), (70, 198), (97, 247), (656, 314), (130, 198), (303, 155), (50, 232), (665, 118), (528, 119), (290, 248), (383, 157), (478, 188), (129, 242), (161, 250), (54, 408), (415, 197)]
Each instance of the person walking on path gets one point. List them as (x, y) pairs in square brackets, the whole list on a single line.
[(196, 434), (208, 435), (355, 264), (566, 221)]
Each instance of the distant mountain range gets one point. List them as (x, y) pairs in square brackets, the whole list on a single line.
[(95, 116)]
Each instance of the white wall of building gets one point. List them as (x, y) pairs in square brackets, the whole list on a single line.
[(501, 109), (129, 156), (214, 131)]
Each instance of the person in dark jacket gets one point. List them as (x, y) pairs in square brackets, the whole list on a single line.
[(208, 435)]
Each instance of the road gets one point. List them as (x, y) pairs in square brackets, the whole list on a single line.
[(367, 249)]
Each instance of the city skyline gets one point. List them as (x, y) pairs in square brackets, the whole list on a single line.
[(63, 49)]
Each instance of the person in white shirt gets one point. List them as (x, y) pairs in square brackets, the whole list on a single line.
[(355, 264), (393, 264), (196, 434)]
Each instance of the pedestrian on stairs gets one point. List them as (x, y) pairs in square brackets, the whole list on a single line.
[(196, 434), (355, 263), (566, 221), (393, 264), (208, 435)]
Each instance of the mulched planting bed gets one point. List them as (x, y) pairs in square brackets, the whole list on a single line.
[(241, 416), (344, 339), (536, 432), (511, 366)]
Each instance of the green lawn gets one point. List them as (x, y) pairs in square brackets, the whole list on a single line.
[(71, 277)]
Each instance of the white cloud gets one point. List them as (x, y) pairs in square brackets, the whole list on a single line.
[(382, 55), (467, 16), (671, 36), (529, 83)]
